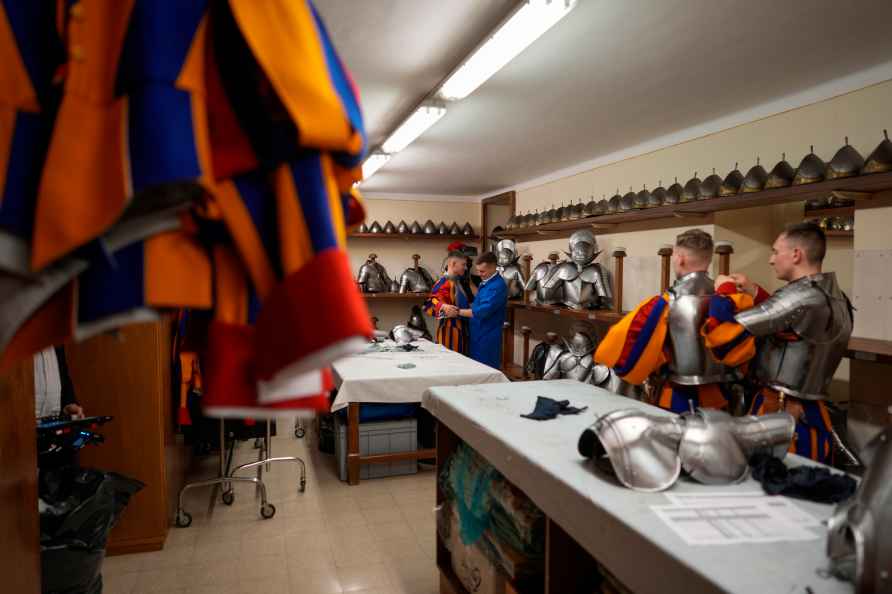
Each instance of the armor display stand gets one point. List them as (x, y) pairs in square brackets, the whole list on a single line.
[(526, 331), (618, 255), (724, 249), (506, 339), (665, 253), (527, 260)]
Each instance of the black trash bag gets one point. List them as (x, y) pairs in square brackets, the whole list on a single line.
[(78, 509)]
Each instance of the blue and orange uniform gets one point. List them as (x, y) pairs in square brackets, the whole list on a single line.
[(452, 333)]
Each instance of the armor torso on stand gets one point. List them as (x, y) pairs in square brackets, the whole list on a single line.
[(544, 295), (416, 280), (580, 288), (514, 279), (373, 278), (691, 364), (818, 313)]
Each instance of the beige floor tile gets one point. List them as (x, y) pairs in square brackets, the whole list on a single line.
[(358, 554), (167, 558), (263, 568), (213, 573), (218, 551), (120, 564), (383, 515), (363, 577), (314, 582), (412, 569), (270, 586), (216, 589), (376, 501), (261, 546), (118, 583), (400, 548), (310, 561), (158, 581), (391, 531), (300, 542)]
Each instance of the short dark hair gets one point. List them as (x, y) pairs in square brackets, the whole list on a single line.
[(487, 258), (698, 241), (810, 238), (456, 254)]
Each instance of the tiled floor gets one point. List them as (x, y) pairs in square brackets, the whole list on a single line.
[(375, 538)]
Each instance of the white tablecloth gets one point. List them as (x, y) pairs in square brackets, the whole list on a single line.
[(614, 524), (377, 377)]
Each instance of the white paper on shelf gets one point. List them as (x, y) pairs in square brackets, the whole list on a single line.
[(780, 504), (730, 524)]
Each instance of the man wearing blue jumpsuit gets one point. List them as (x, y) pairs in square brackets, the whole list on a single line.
[(487, 314)]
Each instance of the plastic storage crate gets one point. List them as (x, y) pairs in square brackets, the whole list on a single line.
[(380, 437)]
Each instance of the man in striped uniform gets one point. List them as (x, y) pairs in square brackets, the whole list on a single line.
[(451, 332)]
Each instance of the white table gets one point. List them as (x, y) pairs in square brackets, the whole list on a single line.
[(398, 377), (613, 524)]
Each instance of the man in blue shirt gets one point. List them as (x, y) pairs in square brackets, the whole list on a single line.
[(487, 314)]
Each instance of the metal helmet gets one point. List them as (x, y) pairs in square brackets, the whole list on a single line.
[(552, 215), (506, 252), (811, 169), (403, 334), (782, 175), (415, 228), (732, 182), (430, 228), (577, 212), (845, 163), (614, 202), (417, 322), (673, 193), (583, 246), (389, 228), (442, 228), (363, 228), (691, 192), (454, 229), (375, 227), (755, 179), (512, 222), (627, 202), (658, 196), (603, 206), (402, 227), (880, 160), (563, 213), (467, 230), (591, 208), (709, 187), (643, 198)]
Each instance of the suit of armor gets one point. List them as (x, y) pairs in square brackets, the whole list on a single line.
[(506, 253), (581, 282), (819, 314), (573, 360), (416, 279), (372, 277), (536, 283)]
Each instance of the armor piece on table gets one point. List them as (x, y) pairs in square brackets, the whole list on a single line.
[(691, 192), (416, 279), (591, 208), (673, 193), (614, 203), (402, 334), (580, 282), (454, 229), (642, 448), (880, 160), (389, 228), (627, 202), (819, 313), (691, 364), (375, 227), (845, 163), (415, 228), (363, 228), (647, 452), (402, 228), (536, 282), (658, 196), (811, 169), (430, 228), (416, 322), (755, 179), (372, 277), (782, 175), (859, 542), (442, 229), (507, 256), (643, 198), (732, 182), (709, 187)]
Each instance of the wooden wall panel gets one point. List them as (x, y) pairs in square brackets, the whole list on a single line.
[(19, 522)]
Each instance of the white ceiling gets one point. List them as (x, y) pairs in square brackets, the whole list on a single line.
[(613, 74)]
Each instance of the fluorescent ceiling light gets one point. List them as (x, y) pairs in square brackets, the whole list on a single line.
[(421, 119), (373, 163), (524, 27)]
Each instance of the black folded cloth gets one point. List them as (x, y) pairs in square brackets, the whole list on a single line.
[(546, 409), (813, 483)]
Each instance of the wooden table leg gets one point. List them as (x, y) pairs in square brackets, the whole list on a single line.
[(353, 443)]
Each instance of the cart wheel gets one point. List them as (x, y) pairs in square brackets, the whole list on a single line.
[(228, 497), (267, 511), (184, 519), (299, 432), (303, 485)]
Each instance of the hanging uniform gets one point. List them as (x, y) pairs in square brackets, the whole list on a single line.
[(489, 308), (452, 333)]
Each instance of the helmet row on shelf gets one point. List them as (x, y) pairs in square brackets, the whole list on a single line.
[(847, 162), (429, 228)]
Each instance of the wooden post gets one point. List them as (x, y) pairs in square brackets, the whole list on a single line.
[(507, 327), (724, 249), (526, 260), (665, 252), (353, 443), (526, 331), (618, 255)]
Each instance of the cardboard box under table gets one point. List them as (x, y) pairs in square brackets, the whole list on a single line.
[(383, 375)]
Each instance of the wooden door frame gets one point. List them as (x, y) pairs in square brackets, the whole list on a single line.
[(508, 198)]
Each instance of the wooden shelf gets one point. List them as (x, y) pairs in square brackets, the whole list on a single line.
[(600, 315), (870, 349), (839, 233), (414, 236), (840, 211), (395, 296), (861, 186)]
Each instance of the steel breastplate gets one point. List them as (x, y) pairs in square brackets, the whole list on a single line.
[(414, 281), (374, 279), (514, 279), (576, 367)]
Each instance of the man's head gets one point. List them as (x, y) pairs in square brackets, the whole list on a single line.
[(456, 264), (692, 252), (486, 265), (798, 251)]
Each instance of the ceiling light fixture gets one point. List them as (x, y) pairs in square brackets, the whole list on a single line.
[(522, 28), (373, 163), (421, 119)]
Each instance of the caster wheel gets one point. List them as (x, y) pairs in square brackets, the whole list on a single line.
[(228, 497), (302, 486), (300, 432), (184, 519), (267, 511)]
